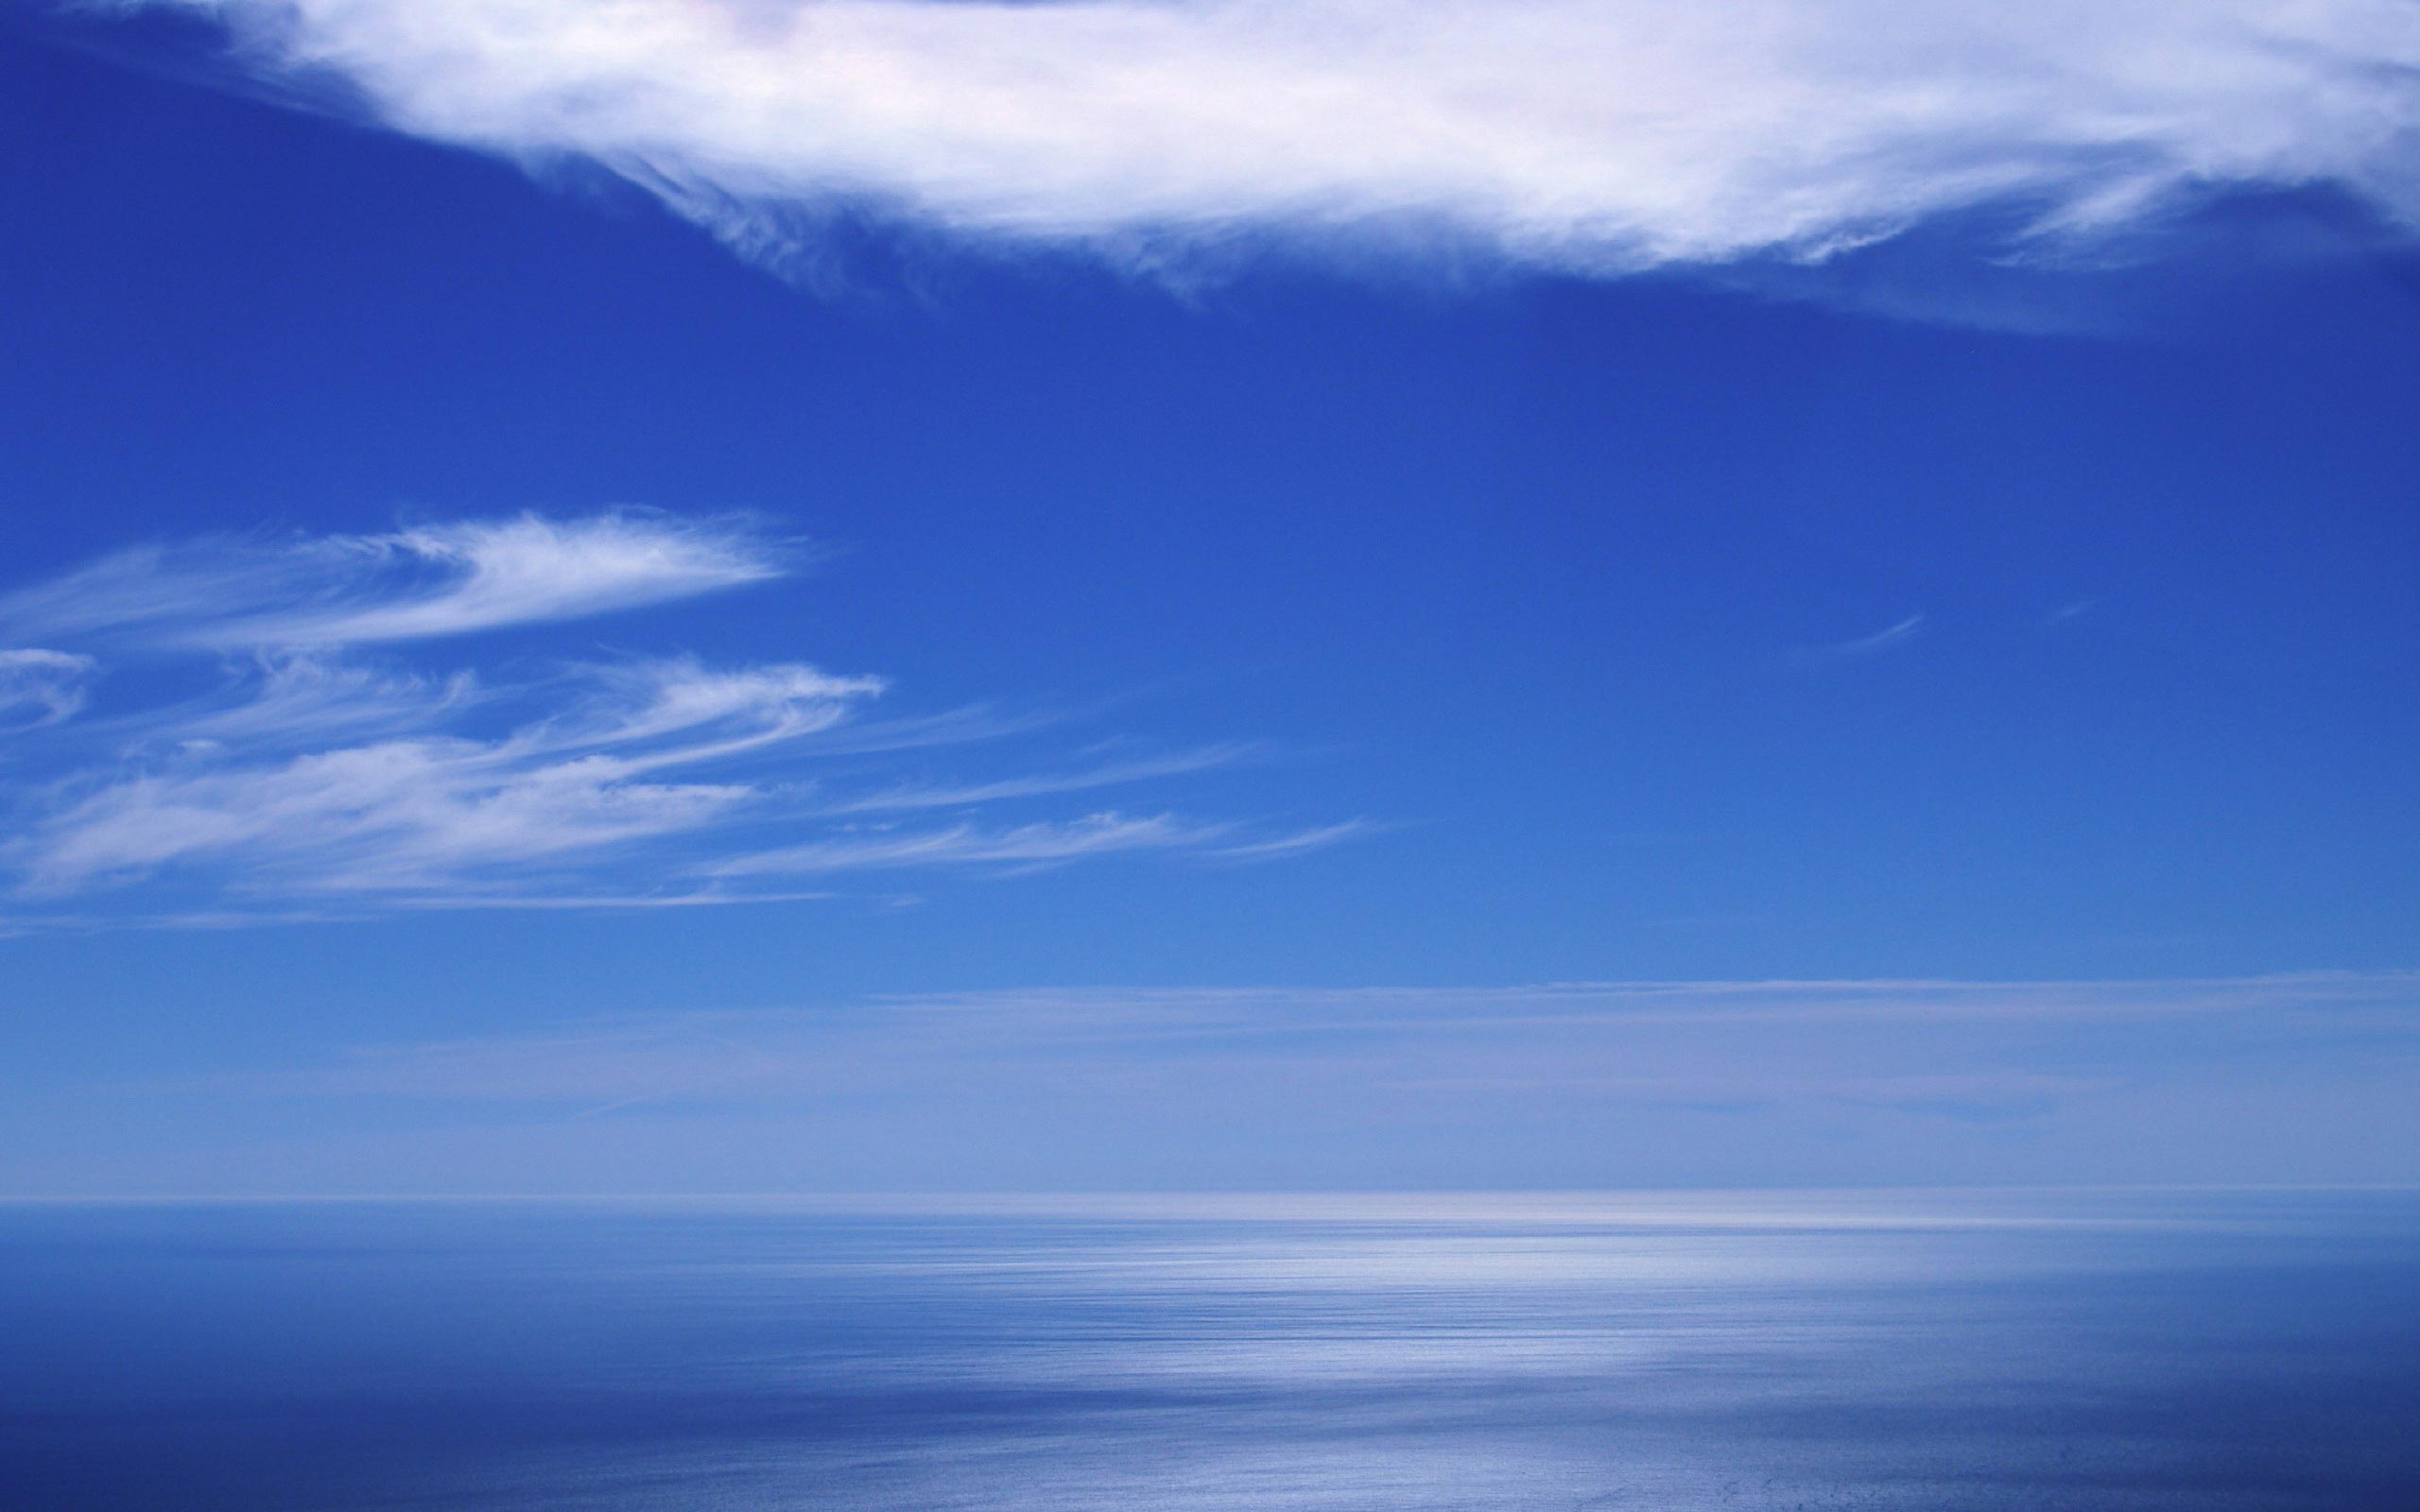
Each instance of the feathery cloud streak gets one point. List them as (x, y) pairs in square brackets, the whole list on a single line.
[(276, 750), (1598, 136)]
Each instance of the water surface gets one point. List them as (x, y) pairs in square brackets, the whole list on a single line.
[(2035, 1352)]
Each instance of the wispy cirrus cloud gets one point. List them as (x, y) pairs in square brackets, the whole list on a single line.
[(1020, 845), (1597, 136), (1891, 636), (278, 751), (325, 591), (1037, 844), (1106, 774), (435, 810)]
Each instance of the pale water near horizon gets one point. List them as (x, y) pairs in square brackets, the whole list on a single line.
[(2000, 1352)]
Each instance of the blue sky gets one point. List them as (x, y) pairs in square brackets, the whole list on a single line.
[(983, 595)]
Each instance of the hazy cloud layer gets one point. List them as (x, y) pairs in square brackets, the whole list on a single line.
[(1882, 1040), (1589, 135), (275, 752), (1581, 1083)]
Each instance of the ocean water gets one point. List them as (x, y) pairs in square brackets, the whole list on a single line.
[(1670, 1351)]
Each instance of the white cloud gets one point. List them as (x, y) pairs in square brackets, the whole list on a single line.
[(39, 687), (1591, 136), (433, 580), (295, 766)]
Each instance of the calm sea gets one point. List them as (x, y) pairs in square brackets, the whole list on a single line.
[(2027, 1352)]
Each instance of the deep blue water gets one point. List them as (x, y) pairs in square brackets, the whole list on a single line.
[(1673, 1352)]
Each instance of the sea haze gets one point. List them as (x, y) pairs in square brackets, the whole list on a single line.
[(2038, 1350)]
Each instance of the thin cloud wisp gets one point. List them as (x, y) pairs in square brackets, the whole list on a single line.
[(276, 752)]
